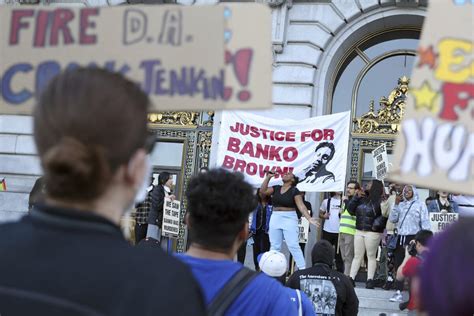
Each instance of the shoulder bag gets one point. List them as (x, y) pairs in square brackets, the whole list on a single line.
[(392, 240)]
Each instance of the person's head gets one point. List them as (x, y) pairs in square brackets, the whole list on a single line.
[(323, 252), (90, 130), (443, 194), (408, 192), (165, 179), (446, 280), (395, 188), (219, 203), (274, 264), (376, 190), (421, 240), (324, 153), (351, 188), (289, 177)]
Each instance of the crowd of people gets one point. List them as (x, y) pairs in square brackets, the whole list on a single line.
[(69, 256)]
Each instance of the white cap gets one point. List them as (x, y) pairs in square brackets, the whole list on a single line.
[(273, 263)]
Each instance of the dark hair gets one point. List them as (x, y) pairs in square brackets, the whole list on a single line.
[(446, 281), (356, 184), (295, 181), (423, 236), (87, 122), (163, 177), (219, 203), (376, 191), (323, 252), (328, 145)]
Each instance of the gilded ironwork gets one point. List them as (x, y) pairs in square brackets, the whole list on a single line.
[(187, 172), (209, 120), (386, 121), (182, 119), (204, 148)]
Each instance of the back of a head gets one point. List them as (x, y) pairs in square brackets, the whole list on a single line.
[(323, 252), (87, 123), (446, 277), (423, 237), (163, 178), (376, 191), (274, 264), (219, 203)]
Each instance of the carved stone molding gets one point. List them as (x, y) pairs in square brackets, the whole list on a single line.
[(387, 119)]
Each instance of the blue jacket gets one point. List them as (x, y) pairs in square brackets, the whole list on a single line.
[(258, 212), (433, 207)]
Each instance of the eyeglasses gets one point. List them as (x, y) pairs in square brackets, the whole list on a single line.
[(150, 142)]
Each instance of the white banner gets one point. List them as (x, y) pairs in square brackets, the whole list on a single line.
[(171, 218), (379, 155), (315, 149)]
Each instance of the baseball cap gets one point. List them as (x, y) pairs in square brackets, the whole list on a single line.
[(273, 263)]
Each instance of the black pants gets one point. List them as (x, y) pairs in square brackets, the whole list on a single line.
[(399, 256), (140, 232), (261, 244), (333, 238)]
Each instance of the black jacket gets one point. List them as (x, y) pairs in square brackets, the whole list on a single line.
[(365, 211), (326, 288), (155, 216), (67, 262)]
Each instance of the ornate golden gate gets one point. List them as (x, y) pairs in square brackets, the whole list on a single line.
[(375, 128)]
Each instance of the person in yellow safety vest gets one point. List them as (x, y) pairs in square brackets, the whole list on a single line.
[(347, 228)]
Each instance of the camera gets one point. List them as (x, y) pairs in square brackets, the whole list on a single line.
[(412, 249)]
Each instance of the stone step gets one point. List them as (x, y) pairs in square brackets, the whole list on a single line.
[(377, 312), (375, 293), (377, 303)]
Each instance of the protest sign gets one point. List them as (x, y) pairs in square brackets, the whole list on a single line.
[(439, 221), (314, 149), (303, 228), (435, 147), (248, 72), (380, 158), (171, 218), (172, 52)]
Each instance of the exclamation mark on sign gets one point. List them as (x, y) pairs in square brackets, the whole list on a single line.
[(241, 63)]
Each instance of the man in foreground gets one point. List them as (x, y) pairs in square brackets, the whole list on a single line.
[(219, 204)]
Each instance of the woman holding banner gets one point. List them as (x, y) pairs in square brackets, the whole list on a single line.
[(287, 199)]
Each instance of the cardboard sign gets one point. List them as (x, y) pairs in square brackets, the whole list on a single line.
[(439, 221), (173, 52), (171, 218), (380, 158), (435, 147), (303, 228), (248, 56), (314, 149)]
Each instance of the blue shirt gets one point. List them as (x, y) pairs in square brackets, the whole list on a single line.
[(307, 305), (263, 296)]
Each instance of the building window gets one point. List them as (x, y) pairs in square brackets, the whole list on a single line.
[(371, 69)]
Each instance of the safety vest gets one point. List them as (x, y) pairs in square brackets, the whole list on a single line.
[(348, 223)]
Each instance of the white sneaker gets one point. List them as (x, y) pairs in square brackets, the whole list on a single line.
[(397, 297)]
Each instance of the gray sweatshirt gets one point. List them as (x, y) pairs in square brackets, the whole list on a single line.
[(416, 219)]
